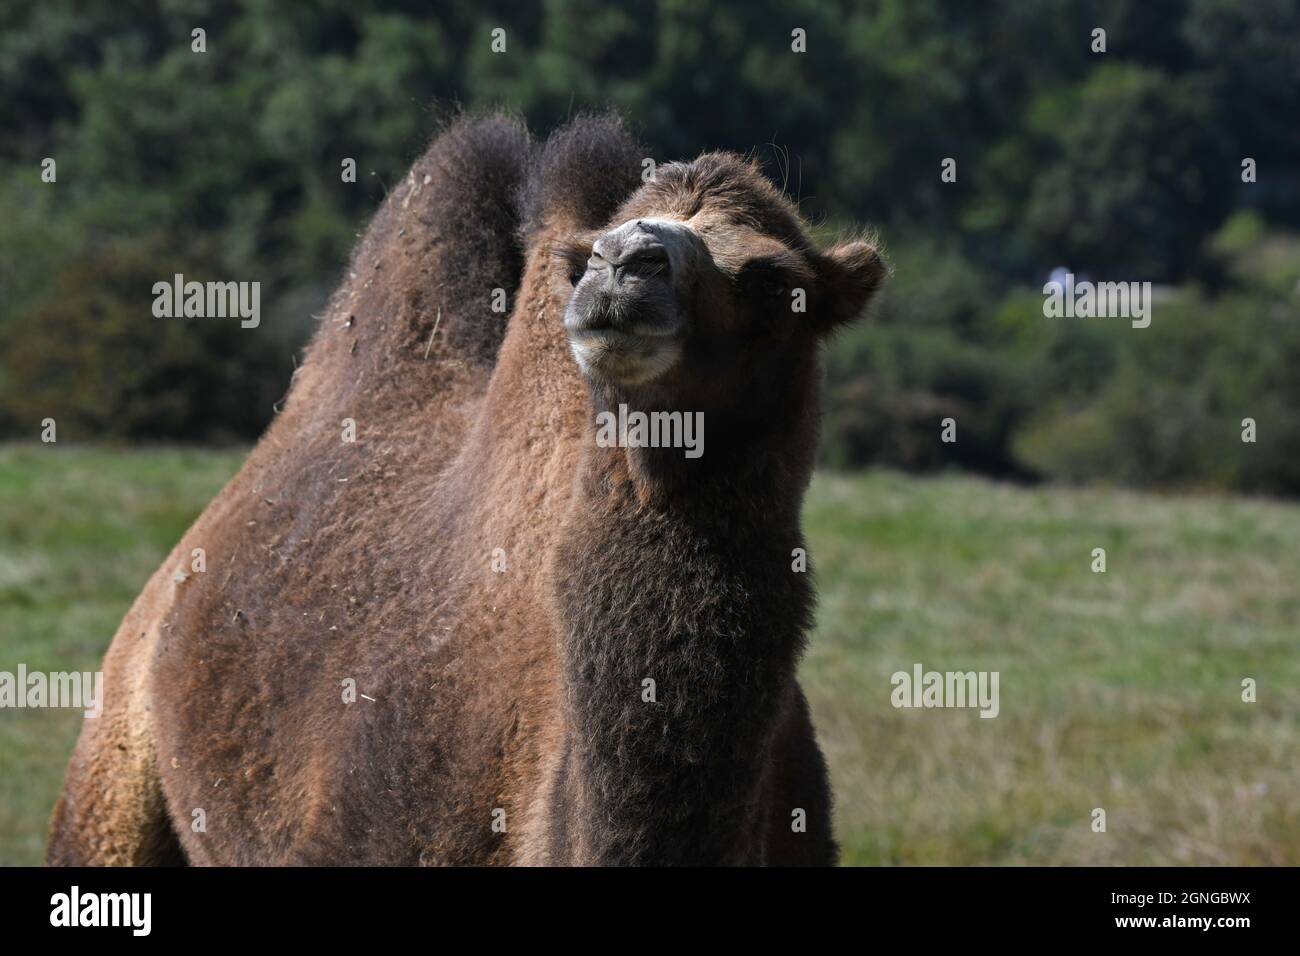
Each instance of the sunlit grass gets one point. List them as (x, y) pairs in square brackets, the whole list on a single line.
[(81, 530), (1119, 690)]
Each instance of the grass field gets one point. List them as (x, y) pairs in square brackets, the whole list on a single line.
[(1119, 690)]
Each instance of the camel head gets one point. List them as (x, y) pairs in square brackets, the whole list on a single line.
[(703, 292)]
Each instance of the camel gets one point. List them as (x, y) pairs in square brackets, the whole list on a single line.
[(473, 634)]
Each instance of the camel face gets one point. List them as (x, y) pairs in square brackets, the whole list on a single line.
[(626, 321), (705, 292)]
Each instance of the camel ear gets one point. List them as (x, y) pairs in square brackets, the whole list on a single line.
[(848, 276)]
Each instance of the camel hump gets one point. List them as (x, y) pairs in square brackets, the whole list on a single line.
[(440, 263), (471, 218), (584, 173), (433, 282)]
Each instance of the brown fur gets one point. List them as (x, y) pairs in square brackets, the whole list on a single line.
[(519, 691)]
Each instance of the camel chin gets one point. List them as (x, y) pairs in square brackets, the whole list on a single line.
[(616, 358)]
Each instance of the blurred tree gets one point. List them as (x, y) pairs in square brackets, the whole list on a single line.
[(87, 360), (1121, 164), (1130, 153)]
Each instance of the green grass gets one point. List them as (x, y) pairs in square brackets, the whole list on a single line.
[(80, 532), (1118, 690)]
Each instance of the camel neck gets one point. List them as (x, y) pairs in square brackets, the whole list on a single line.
[(681, 632)]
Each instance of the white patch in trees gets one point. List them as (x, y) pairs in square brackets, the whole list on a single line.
[(498, 40), (647, 170), (49, 170), (800, 562), (1098, 40), (1248, 690), (948, 170), (499, 564), (798, 300), (349, 690), (199, 40), (949, 434), (648, 691), (1099, 561), (198, 561), (799, 40), (349, 174), (349, 431), (1247, 170), (499, 820), (499, 300), (49, 431), (199, 823), (1098, 820), (798, 820), (1248, 430)]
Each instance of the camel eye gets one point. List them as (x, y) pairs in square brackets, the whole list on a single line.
[(572, 257), (771, 284), (766, 279), (578, 264)]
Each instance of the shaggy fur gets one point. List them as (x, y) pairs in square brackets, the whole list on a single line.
[(502, 719)]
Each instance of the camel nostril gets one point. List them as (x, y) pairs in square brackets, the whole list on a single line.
[(644, 258), (618, 250)]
